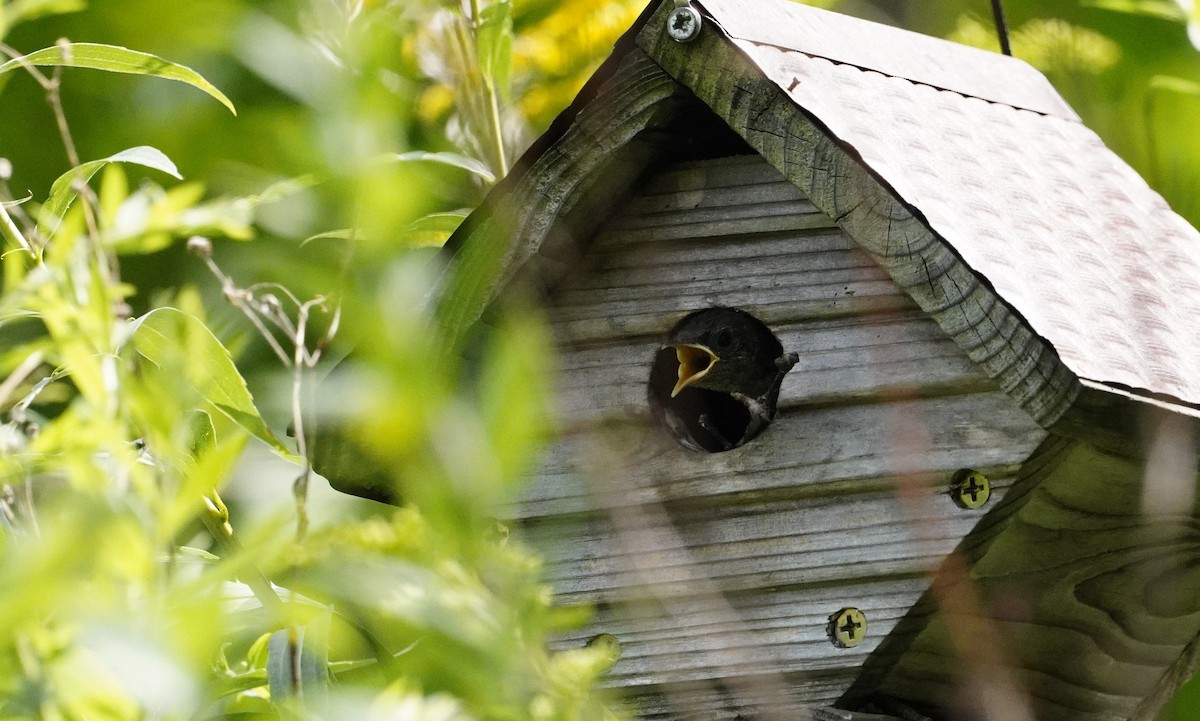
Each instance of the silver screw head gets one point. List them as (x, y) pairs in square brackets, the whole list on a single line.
[(683, 24)]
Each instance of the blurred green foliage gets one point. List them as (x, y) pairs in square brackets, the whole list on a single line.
[(136, 366), (131, 589)]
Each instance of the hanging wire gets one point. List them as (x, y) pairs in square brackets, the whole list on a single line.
[(1001, 26)]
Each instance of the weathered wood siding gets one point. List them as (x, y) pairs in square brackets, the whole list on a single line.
[(718, 572), (1089, 574)]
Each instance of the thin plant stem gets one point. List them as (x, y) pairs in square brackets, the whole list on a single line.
[(38, 76), (299, 367), (28, 508), (216, 519), (238, 297), (17, 413), (52, 87), (491, 97), (11, 233), (19, 374), (300, 362), (54, 97)]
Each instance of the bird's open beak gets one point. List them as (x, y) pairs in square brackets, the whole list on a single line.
[(695, 361)]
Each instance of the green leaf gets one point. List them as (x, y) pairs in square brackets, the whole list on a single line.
[(116, 59), (453, 160), (163, 334), (283, 675), (151, 217), (191, 553), (204, 434), (339, 234), (63, 192), (433, 230)]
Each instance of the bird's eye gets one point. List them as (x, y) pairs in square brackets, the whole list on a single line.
[(724, 339)]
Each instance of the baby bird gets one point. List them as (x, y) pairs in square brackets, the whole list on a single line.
[(716, 381)]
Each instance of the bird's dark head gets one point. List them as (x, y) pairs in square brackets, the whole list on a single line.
[(724, 349)]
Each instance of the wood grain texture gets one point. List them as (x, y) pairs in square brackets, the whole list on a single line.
[(928, 270), (1094, 600), (591, 165), (718, 572), (1084, 598), (713, 572), (809, 454)]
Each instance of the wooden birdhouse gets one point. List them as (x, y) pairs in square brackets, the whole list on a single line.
[(973, 486)]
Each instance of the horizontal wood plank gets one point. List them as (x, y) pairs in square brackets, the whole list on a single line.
[(780, 631), (840, 361), (651, 204), (718, 569), (832, 540), (717, 173), (817, 451)]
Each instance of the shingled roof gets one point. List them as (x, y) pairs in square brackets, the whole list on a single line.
[(999, 166)]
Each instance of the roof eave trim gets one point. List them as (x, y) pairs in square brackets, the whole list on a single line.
[(1139, 395)]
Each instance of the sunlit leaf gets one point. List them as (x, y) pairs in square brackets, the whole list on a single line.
[(204, 433), (447, 604), (191, 553), (433, 230), (162, 334), (149, 219), (453, 160), (339, 234), (400, 702), (63, 192), (116, 59)]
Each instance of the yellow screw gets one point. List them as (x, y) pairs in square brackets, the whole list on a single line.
[(847, 628), (970, 489)]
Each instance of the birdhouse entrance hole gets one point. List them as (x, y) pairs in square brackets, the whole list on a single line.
[(714, 383)]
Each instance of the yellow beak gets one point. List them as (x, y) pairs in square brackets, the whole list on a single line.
[(695, 361)]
